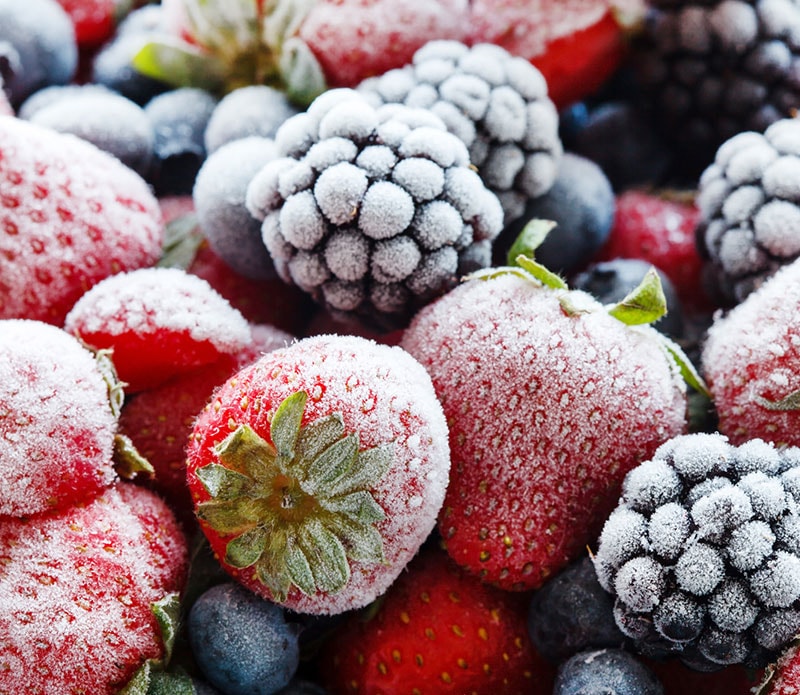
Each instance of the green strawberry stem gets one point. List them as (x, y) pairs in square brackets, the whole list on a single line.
[(787, 403), (297, 509)]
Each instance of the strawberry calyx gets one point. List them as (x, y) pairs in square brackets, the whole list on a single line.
[(300, 508), (785, 404), (236, 43)]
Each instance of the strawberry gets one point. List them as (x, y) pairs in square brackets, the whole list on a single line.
[(751, 361), (159, 421), (95, 20), (82, 592), (782, 677), (438, 629), (70, 216), (576, 44), (317, 472), (58, 419), (550, 400), (660, 229), (158, 322)]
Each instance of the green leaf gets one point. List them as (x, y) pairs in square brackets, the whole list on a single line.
[(229, 517), (368, 469), (243, 450), (785, 404), (128, 462), (326, 557), (170, 684), (223, 483), (359, 505), (529, 239), (318, 435), (140, 682), (299, 570), (332, 463), (361, 542), (302, 75), (492, 273), (547, 277), (167, 612), (688, 371), (182, 240), (644, 304), (274, 573), (246, 549), (285, 425), (180, 64), (283, 19)]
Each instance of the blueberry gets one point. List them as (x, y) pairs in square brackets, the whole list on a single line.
[(179, 118), (611, 281), (241, 642), (252, 110), (572, 613), (219, 196), (581, 202), (37, 47), (605, 672)]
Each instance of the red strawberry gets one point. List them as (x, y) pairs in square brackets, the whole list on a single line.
[(317, 472), (439, 630), (77, 590), (57, 423), (751, 361), (70, 216), (95, 20), (158, 322), (159, 421), (576, 44), (783, 677), (660, 229), (550, 401)]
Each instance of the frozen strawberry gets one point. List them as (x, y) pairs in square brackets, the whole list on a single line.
[(550, 400), (83, 590), (94, 20), (317, 472), (576, 44), (159, 421), (158, 322), (70, 216), (57, 422), (751, 359), (783, 677), (660, 229), (438, 629)]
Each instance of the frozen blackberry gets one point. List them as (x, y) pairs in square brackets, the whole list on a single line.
[(714, 68), (701, 553), (749, 201), (372, 211), (495, 102)]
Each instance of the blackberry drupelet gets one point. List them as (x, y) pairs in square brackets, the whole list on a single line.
[(749, 201), (714, 68), (702, 553), (495, 102), (373, 212)]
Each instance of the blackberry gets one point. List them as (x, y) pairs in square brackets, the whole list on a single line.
[(702, 555), (372, 211), (714, 68), (749, 201), (495, 102)]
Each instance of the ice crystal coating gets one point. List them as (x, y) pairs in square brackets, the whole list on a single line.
[(496, 103), (749, 200), (713, 576), (57, 425), (372, 211)]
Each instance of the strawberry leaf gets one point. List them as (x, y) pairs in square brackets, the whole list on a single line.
[(246, 549), (787, 403), (180, 64), (547, 277), (182, 240), (285, 425), (688, 371), (644, 304), (302, 75), (530, 239), (223, 483), (128, 462)]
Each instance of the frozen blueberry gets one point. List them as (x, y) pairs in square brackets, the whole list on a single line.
[(252, 110), (606, 672), (581, 202), (572, 613), (219, 197), (37, 47), (241, 642), (179, 118)]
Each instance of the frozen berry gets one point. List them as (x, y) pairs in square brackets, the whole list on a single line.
[(606, 672)]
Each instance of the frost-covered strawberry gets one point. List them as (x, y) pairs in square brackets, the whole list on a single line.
[(751, 361), (58, 419), (158, 322), (70, 216), (83, 592), (550, 400), (318, 471)]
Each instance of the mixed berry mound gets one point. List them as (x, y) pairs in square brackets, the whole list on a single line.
[(702, 553), (749, 201), (495, 102), (372, 211), (714, 68)]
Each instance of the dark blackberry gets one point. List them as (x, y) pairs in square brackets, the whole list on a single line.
[(714, 68), (373, 212), (572, 613), (606, 672), (699, 555), (749, 201), (495, 102)]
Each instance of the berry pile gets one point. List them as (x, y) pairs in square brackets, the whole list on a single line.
[(399, 346)]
